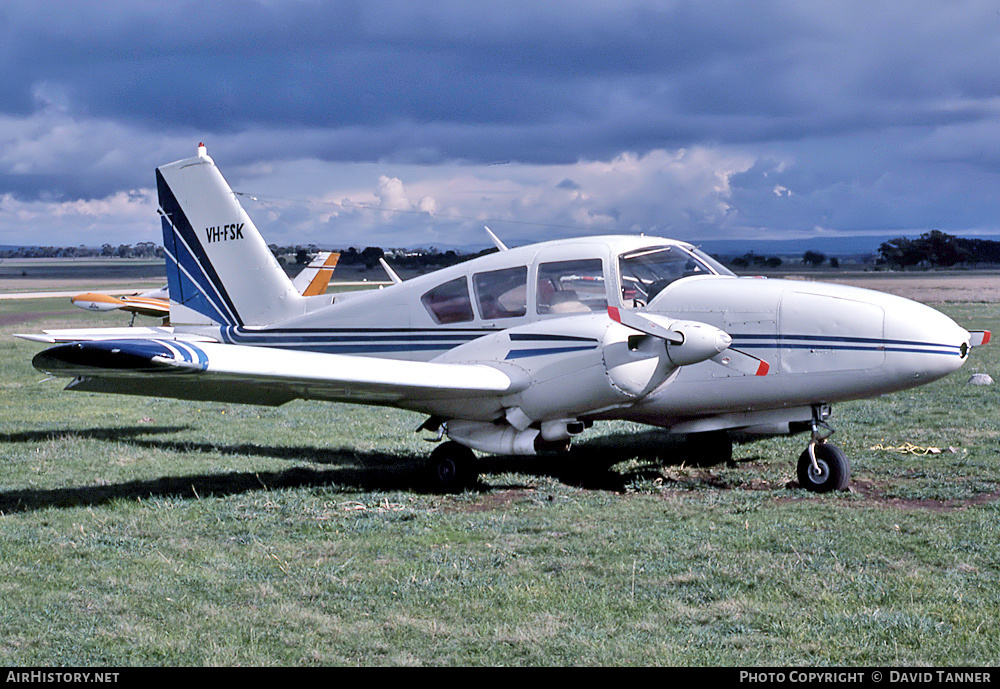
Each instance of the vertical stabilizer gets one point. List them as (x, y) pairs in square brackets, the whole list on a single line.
[(315, 277), (219, 269)]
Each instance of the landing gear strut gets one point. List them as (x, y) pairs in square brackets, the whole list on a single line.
[(823, 467)]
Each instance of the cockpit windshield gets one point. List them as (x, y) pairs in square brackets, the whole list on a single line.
[(645, 272)]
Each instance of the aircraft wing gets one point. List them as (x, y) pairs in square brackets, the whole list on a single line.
[(211, 371), (146, 306)]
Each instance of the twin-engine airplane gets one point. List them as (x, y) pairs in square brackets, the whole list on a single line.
[(155, 302), (310, 281), (517, 351)]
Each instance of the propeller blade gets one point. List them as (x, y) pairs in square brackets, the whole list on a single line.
[(673, 332), (645, 324), (742, 362), (979, 337)]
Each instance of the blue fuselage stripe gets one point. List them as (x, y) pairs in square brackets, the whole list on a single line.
[(390, 340), (352, 341), (860, 344), (542, 351)]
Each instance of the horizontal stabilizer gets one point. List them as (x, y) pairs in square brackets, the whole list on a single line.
[(92, 334)]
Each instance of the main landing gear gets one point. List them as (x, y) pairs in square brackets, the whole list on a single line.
[(451, 467), (823, 467)]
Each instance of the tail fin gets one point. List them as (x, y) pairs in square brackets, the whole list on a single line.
[(315, 277), (219, 269)]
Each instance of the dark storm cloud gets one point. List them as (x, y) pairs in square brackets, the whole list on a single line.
[(617, 77), (628, 76), (854, 110)]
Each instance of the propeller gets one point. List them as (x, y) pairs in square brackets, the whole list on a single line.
[(690, 342), (979, 338)]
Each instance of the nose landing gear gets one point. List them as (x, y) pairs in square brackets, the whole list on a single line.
[(823, 467)]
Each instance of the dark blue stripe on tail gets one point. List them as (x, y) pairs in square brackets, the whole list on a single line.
[(191, 279)]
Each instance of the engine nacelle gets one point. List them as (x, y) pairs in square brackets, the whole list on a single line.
[(495, 439)]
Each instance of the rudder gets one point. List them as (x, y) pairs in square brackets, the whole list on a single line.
[(219, 269)]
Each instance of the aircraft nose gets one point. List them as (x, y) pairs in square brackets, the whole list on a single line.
[(893, 343), (923, 341)]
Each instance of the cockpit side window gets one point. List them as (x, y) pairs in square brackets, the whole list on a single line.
[(502, 293), (646, 272), (571, 287), (449, 302)]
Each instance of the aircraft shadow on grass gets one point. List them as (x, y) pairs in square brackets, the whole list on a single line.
[(587, 465)]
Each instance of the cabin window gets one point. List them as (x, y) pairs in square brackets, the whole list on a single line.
[(645, 273), (502, 293), (449, 302), (571, 287)]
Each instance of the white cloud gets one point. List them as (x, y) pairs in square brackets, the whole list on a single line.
[(685, 193), (121, 218)]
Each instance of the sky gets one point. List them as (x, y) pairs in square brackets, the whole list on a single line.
[(401, 123)]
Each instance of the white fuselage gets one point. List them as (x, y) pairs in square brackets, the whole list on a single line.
[(825, 343)]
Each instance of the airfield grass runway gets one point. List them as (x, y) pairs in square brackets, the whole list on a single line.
[(142, 532)]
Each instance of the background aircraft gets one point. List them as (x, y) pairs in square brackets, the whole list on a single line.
[(154, 302), (519, 351), (312, 280)]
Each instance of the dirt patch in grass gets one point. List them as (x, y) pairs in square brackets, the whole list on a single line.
[(875, 492), (486, 501)]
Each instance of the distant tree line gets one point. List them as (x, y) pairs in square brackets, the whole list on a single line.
[(936, 249), (140, 250), (931, 249), (752, 260), (369, 256), (415, 259)]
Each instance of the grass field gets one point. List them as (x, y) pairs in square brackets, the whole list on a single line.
[(141, 532)]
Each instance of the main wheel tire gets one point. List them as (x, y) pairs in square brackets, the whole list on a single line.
[(834, 469), (451, 467)]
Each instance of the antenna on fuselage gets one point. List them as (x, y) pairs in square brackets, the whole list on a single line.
[(390, 272), (496, 240)]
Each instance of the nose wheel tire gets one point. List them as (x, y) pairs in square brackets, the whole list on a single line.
[(451, 467), (824, 467)]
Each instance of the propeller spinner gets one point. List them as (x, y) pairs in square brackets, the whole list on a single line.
[(691, 342)]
